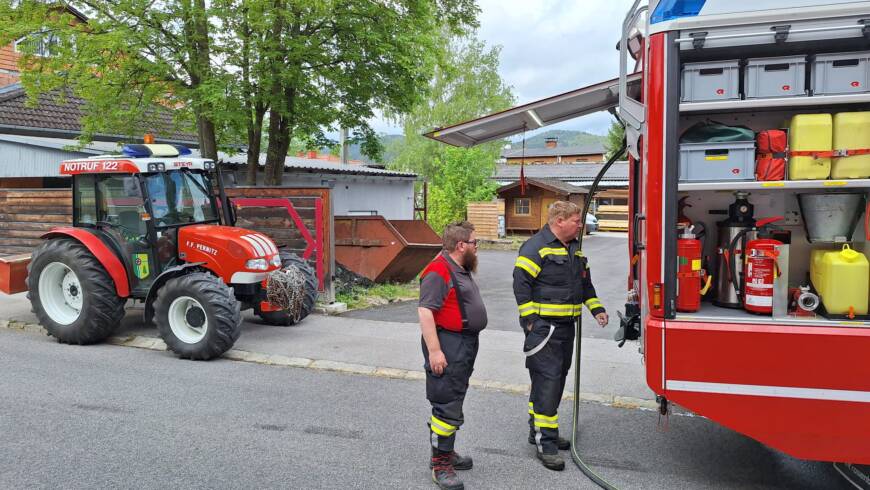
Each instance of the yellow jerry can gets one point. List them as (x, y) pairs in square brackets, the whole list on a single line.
[(851, 132), (810, 132), (841, 277)]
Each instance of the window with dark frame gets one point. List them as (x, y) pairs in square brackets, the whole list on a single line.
[(522, 206)]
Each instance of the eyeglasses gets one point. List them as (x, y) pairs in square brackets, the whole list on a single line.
[(473, 243)]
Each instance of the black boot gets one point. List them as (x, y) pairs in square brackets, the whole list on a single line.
[(552, 461), (459, 462), (561, 443), (443, 473)]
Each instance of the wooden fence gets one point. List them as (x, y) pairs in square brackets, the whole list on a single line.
[(26, 214), (299, 219), (484, 216)]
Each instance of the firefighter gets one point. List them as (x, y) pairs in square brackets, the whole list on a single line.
[(551, 284), (452, 315)]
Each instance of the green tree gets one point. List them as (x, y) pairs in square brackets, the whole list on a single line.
[(466, 85), (463, 177), (299, 68), (613, 141), (129, 56)]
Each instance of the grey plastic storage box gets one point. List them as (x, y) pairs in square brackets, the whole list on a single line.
[(841, 73), (715, 80), (783, 76), (712, 162)]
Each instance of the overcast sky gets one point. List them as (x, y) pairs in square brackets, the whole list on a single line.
[(550, 47)]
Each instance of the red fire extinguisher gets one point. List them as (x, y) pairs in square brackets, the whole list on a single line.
[(689, 272), (760, 271)]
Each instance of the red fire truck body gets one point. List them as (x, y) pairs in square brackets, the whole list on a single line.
[(799, 384)]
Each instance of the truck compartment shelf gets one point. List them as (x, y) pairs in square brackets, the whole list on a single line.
[(730, 106), (714, 314), (774, 185)]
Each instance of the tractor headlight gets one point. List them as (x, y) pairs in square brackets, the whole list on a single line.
[(257, 264), (276, 261)]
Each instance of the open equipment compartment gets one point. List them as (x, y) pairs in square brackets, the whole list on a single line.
[(710, 199)]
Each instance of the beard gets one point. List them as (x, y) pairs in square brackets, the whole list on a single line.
[(470, 260)]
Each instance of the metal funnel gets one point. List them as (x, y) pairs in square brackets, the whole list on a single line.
[(832, 216)]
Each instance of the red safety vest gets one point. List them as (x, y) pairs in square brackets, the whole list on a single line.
[(450, 316)]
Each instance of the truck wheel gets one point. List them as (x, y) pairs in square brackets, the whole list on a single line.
[(283, 318), (71, 293), (197, 316)]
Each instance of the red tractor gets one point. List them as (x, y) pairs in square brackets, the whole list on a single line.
[(147, 227)]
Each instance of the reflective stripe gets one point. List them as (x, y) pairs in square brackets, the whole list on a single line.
[(547, 421), (527, 265), (551, 251), (440, 432), (547, 309), (593, 303), (440, 427), (578, 253), (531, 409), (527, 309)]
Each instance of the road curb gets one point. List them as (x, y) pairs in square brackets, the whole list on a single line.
[(156, 344)]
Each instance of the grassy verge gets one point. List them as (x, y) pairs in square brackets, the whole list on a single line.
[(508, 243), (378, 294)]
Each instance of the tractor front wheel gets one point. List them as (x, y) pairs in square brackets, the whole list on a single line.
[(197, 316), (71, 293)]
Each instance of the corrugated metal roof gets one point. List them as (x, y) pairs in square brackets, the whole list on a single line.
[(551, 184), (593, 149), (321, 166), (568, 172), (108, 148), (93, 148)]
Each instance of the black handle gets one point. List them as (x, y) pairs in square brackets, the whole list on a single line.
[(635, 230)]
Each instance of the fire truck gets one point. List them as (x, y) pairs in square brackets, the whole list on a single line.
[(748, 293)]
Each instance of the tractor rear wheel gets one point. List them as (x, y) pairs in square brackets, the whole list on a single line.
[(197, 316), (309, 294), (71, 293)]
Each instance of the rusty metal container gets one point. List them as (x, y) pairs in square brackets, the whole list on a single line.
[(384, 250), (13, 273)]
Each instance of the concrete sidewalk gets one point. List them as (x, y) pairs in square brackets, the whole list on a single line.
[(607, 371)]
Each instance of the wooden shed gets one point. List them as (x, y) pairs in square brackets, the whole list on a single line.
[(485, 216), (527, 212)]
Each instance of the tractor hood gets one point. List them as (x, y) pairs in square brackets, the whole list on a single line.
[(226, 250)]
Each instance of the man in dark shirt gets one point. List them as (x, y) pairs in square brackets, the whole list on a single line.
[(552, 283), (452, 315)]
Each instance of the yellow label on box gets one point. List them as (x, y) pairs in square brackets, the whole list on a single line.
[(696, 264), (716, 157)]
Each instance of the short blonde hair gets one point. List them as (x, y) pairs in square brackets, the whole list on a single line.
[(561, 209)]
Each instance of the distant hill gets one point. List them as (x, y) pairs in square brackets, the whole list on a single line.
[(355, 153), (566, 138)]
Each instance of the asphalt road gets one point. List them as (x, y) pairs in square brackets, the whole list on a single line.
[(112, 417), (608, 259)]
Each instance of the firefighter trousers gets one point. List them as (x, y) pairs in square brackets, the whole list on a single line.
[(548, 370), (446, 392)]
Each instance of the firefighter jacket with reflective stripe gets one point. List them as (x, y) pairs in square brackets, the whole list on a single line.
[(552, 281)]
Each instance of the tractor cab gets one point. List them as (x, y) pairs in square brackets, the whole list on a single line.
[(140, 200), (147, 226)]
